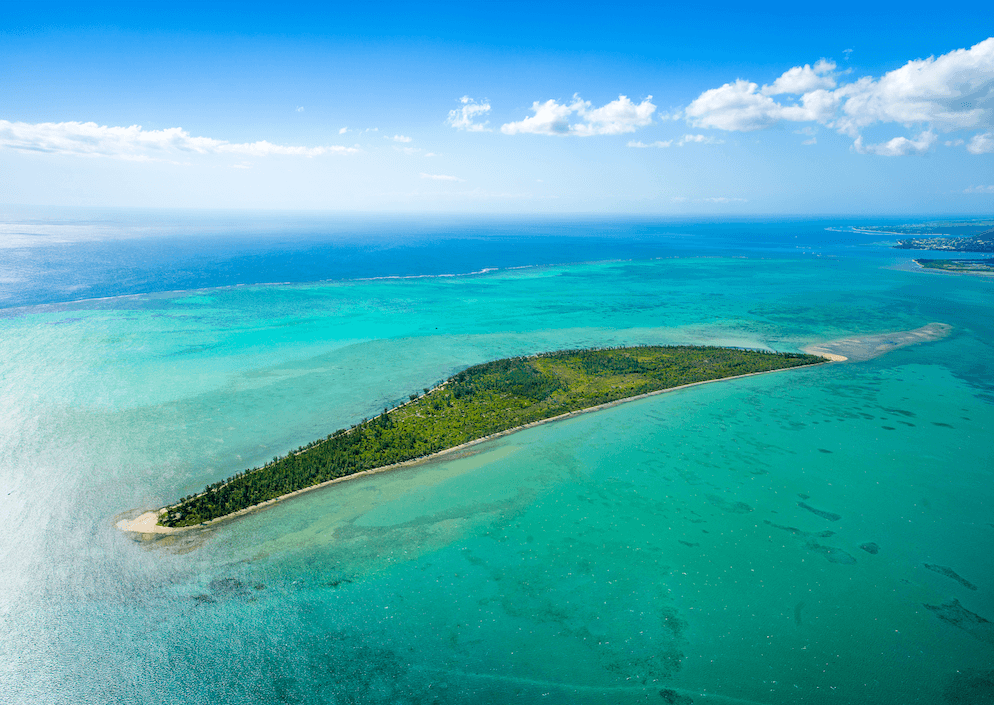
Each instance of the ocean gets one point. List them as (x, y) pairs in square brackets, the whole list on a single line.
[(823, 535)]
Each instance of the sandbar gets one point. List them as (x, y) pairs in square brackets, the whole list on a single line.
[(867, 347)]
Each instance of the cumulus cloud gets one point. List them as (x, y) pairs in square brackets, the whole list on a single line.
[(803, 79), (897, 147), (439, 177), (954, 91), (465, 118), (581, 119), (136, 144), (979, 189), (399, 138), (981, 144), (743, 107)]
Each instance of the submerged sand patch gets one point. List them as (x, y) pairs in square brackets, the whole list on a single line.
[(866, 347)]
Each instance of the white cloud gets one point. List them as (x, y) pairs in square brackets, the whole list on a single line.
[(659, 143), (136, 144), (979, 189), (398, 138), (465, 118), (813, 140), (699, 139), (723, 199), (954, 91), (735, 106), (551, 118), (343, 130), (617, 117), (741, 107), (300, 109), (981, 144), (440, 177), (951, 92), (897, 147), (803, 79)]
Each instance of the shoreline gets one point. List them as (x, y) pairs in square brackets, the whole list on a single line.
[(979, 273), (912, 265), (145, 523)]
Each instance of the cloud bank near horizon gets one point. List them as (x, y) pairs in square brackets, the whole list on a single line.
[(134, 143)]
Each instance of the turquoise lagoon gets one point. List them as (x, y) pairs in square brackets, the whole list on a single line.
[(657, 551)]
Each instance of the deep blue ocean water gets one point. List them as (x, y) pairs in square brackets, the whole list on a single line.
[(657, 551)]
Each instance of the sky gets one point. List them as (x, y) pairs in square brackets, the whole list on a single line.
[(510, 107)]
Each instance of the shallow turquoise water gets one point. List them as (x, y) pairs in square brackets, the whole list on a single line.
[(655, 546)]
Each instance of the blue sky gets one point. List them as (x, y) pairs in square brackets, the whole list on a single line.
[(500, 107)]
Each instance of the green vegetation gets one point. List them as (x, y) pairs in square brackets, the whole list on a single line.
[(479, 401), (958, 265)]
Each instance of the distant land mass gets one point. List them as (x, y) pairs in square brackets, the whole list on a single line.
[(480, 402), (965, 266), (982, 242), (948, 236)]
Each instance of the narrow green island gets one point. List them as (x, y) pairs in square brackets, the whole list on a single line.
[(481, 401), (958, 265)]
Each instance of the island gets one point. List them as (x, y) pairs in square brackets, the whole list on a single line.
[(480, 402), (959, 266)]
